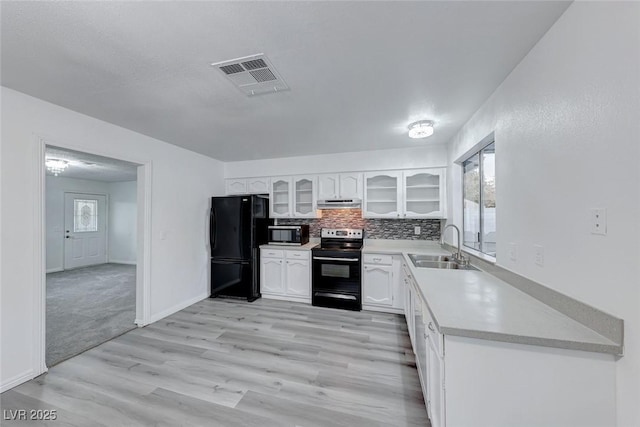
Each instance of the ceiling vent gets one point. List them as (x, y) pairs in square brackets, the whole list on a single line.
[(254, 75)]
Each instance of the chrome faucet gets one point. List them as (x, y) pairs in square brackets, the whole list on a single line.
[(457, 256)]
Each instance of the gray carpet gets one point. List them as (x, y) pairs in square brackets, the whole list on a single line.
[(88, 306)]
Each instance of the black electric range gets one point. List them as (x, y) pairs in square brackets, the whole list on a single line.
[(336, 269)]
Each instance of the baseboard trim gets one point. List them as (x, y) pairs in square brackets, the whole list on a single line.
[(287, 298), (17, 380), (55, 270), (169, 311), (117, 261), (391, 310)]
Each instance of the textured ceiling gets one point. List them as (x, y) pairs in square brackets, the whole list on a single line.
[(358, 72), (90, 166)]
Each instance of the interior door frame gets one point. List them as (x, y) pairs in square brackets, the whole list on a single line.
[(64, 218), (143, 233)]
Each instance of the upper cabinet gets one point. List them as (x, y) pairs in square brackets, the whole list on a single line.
[(304, 197), (418, 193), (293, 197), (382, 194), (340, 186), (424, 192), (280, 197), (235, 186)]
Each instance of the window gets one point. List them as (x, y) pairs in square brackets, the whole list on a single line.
[(85, 215), (479, 205)]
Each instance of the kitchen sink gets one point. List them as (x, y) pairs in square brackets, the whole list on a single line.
[(446, 262)]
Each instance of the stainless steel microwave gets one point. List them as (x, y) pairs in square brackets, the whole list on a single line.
[(291, 235)]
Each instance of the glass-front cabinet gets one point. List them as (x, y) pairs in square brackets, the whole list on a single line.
[(280, 197), (304, 197), (382, 194), (418, 193), (423, 193)]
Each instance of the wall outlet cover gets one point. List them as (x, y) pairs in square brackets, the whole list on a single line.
[(513, 252), (539, 255), (416, 230), (599, 221)]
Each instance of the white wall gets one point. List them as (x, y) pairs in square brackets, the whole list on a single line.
[(122, 222), (567, 132), (422, 155), (182, 182)]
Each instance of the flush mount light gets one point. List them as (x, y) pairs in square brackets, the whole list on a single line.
[(421, 129), (56, 166)]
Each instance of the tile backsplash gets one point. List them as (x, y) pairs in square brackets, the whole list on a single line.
[(374, 228)]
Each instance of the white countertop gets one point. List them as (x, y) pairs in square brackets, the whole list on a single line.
[(305, 247), (476, 304)]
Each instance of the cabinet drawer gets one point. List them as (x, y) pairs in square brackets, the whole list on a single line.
[(378, 259), (297, 254), (271, 253)]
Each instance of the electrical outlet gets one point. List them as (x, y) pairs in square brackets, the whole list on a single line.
[(539, 254), (416, 230), (513, 252), (599, 221)]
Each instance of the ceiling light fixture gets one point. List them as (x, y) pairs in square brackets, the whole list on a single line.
[(421, 129), (56, 166)]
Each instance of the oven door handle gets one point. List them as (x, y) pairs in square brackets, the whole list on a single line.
[(326, 258)]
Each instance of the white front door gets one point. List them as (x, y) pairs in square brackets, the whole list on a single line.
[(85, 241)]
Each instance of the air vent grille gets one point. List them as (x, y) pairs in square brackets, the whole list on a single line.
[(232, 69), (255, 64), (254, 75), (263, 75)]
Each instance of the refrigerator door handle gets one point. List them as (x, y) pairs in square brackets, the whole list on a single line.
[(212, 227)]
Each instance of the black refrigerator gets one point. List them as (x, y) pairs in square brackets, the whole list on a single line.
[(238, 226)]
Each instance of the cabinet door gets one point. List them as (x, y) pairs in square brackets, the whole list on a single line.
[(235, 186), (280, 198), (304, 197), (328, 186), (423, 193), (272, 276), (436, 408), (350, 186), (378, 285), (258, 185), (298, 278), (382, 194)]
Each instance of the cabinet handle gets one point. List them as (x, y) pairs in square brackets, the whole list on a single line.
[(377, 259), (398, 215), (431, 327)]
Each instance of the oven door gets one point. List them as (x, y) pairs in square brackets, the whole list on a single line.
[(336, 280)]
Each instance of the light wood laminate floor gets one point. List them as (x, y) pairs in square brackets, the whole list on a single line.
[(231, 363)]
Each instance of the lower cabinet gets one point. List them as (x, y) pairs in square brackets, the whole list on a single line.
[(382, 289), (285, 274), (476, 382)]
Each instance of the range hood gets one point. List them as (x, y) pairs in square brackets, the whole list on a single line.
[(339, 204)]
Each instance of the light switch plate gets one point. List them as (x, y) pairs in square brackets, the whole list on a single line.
[(539, 255), (599, 221)]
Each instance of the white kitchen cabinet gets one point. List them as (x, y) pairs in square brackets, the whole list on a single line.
[(285, 274), (241, 186), (382, 194), (280, 197), (258, 185), (418, 193), (304, 197), (423, 193), (235, 186), (340, 186), (271, 275), (381, 287)]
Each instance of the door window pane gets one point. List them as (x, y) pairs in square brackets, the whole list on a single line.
[(85, 215)]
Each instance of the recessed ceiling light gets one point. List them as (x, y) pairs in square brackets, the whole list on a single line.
[(421, 129)]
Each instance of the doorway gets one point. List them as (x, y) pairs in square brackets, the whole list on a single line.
[(92, 248)]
